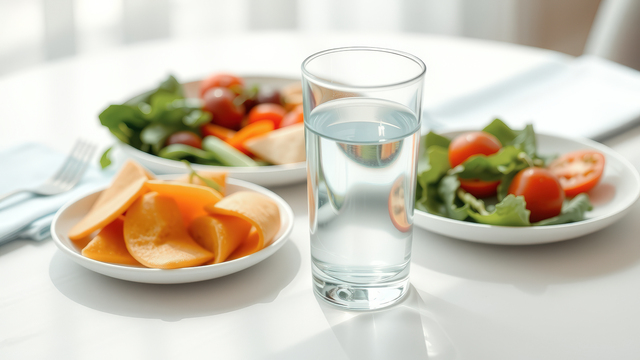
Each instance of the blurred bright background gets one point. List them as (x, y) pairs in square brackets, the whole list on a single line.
[(36, 31)]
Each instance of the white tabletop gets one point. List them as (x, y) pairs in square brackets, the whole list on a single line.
[(573, 299)]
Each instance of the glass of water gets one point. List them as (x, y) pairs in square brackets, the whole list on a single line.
[(362, 109)]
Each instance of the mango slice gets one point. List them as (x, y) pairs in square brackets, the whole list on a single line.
[(257, 209), (156, 236), (248, 247), (190, 198), (220, 178), (219, 234), (126, 187), (108, 245)]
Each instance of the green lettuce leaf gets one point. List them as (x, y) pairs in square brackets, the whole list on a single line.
[(447, 192), (501, 131), (511, 211), (572, 210), (433, 139), (432, 169), (492, 167)]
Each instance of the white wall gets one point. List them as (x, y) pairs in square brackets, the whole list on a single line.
[(33, 31)]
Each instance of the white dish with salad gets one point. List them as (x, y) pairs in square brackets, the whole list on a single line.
[(250, 127), (595, 187)]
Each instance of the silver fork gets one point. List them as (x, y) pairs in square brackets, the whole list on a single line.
[(67, 176)]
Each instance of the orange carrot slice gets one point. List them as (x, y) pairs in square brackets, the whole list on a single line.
[(108, 245), (219, 234), (126, 187), (190, 198), (257, 209), (250, 131), (156, 236), (217, 131)]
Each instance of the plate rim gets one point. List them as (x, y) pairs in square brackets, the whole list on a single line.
[(590, 223), (173, 276)]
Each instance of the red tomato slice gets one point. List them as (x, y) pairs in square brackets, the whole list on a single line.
[(578, 171)]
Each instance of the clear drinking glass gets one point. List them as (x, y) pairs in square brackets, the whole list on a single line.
[(362, 110)]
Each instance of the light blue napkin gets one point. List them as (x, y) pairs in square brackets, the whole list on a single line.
[(27, 216)]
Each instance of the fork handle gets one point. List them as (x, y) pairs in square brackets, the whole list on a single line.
[(9, 194)]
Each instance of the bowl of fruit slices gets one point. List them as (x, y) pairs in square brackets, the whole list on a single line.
[(251, 127)]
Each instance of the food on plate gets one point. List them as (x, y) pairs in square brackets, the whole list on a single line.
[(157, 237), (271, 112), (177, 223), (282, 146), (108, 245), (578, 171), (506, 181), (541, 190), (224, 80), (126, 187), (220, 234), (166, 122), (257, 209), (190, 198), (469, 144)]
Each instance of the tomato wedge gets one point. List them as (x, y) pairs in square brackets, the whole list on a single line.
[(578, 171)]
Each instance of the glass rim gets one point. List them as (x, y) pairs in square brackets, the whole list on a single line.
[(411, 80)]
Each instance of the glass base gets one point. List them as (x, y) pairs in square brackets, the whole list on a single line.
[(361, 297)]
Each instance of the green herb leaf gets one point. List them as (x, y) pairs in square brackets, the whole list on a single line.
[(156, 134), (105, 161), (172, 85), (196, 118), (210, 183), (114, 115), (572, 210), (511, 211)]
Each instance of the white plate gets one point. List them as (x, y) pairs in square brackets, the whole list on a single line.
[(618, 189), (73, 211), (273, 175)]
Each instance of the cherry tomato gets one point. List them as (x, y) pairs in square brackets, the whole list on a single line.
[(219, 102), (466, 145), (272, 112), (186, 138), (294, 116), (269, 97), (221, 80), (541, 190), (578, 171), (478, 188), (472, 143)]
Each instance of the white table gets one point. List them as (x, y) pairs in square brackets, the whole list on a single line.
[(574, 299)]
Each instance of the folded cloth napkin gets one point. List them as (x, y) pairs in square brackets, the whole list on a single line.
[(28, 216)]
